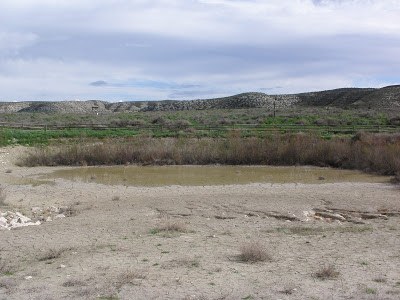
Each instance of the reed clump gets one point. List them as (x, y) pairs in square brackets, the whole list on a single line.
[(378, 153)]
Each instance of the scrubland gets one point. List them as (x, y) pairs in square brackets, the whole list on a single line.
[(325, 240)]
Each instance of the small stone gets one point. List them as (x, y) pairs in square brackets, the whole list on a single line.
[(28, 277), (62, 209), (59, 216), (54, 209)]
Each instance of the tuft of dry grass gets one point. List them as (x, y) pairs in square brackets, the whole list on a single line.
[(171, 225), (187, 262), (7, 283), (327, 272), (115, 198), (3, 196), (130, 277), (253, 251), (288, 290), (51, 254), (5, 269), (73, 282)]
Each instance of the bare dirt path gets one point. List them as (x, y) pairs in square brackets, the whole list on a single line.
[(110, 244)]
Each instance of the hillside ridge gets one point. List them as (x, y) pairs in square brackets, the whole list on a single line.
[(386, 97)]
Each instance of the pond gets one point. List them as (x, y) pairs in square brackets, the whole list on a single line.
[(153, 176)]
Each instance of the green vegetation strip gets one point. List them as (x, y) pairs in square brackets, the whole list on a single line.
[(32, 137)]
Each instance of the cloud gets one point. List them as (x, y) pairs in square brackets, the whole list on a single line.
[(98, 83), (197, 94), (157, 49), (16, 40)]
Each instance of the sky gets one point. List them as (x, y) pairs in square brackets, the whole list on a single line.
[(128, 50)]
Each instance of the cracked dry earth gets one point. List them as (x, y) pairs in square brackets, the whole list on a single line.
[(114, 245)]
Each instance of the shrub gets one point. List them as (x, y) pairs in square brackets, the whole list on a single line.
[(396, 178), (378, 153), (161, 120), (51, 254), (327, 272), (182, 123), (327, 121), (137, 122), (395, 121), (253, 251), (168, 224)]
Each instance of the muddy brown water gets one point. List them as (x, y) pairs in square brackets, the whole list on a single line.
[(153, 176)]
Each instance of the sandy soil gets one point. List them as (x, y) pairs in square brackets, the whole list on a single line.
[(108, 245)]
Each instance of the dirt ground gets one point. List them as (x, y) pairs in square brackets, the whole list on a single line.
[(325, 241)]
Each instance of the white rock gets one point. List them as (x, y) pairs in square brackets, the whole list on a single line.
[(3, 221), (59, 216), (11, 220), (22, 217), (36, 210)]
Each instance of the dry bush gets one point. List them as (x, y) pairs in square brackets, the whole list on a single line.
[(182, 123), (288, 290), (51, 254), (174, 225), (7, 283), (396, 178), (378, 153), (194, 297), (327, 272), (253, 251), (73, 282), (84, 293), (70, 211), (130, 277), (187, 262), (5, 268), (3, 195)]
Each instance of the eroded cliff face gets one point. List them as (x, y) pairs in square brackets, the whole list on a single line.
[(387, 97)]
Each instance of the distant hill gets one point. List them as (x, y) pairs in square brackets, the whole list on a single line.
[(387, 97)]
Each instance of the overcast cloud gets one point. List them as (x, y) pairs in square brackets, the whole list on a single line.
[(187, 49)]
